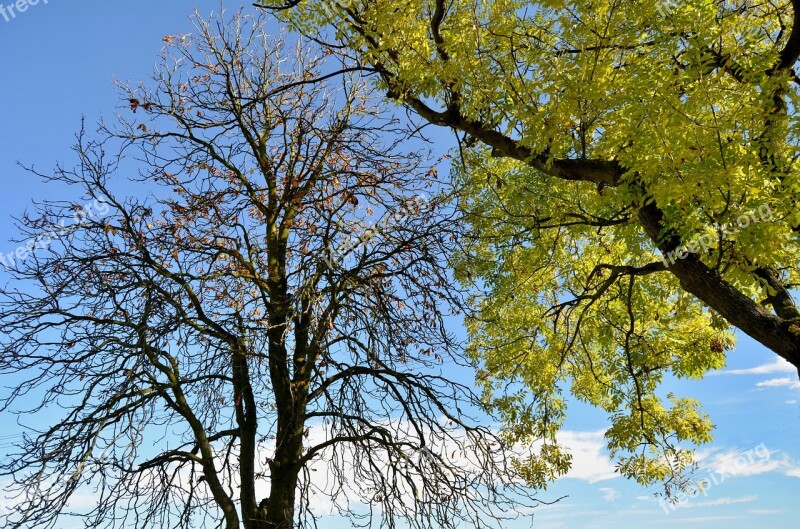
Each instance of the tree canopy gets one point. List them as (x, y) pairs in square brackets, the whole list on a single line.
[(630, 176), (259, 337)]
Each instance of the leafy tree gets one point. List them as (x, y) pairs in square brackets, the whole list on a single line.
[(261, 336), (631, 185)]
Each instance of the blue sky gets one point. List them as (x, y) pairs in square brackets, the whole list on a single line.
[(58, 64)]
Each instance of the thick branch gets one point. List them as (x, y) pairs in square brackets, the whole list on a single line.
[(710, 287), (791, 51), (595, 171)]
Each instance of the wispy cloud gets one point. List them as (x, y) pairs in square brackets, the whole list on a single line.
[(737, 463), (610, 494), (719, 501), (779, 365), (783, 382), (792, 472)]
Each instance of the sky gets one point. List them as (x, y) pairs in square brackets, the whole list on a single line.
[(58, 65)]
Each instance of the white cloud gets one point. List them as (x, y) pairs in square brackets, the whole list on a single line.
[(6, 503), (778, 366), (83, 500), (793, 472), (719, 501), (610, 494), (743, 463), (783, 382), (590, 463), (740, 466)]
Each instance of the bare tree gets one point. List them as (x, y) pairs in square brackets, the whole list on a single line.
[(264, 327)]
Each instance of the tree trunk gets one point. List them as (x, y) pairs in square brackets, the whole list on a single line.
[(284, 473)]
